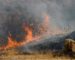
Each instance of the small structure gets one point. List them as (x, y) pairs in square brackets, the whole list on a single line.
[(69, 45)]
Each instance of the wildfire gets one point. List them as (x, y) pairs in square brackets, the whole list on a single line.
[(48, 28), (45, 24), (29, 35), (13, 43), (45, 29)]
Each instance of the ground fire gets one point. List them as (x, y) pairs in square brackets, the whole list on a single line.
[(13, 43), (44, 29)]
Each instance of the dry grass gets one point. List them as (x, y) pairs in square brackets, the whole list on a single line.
[(32, 57), (37, 56)]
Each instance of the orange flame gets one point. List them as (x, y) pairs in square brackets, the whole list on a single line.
[(29, 35), (45, 24), (13, 43), (45, 27)]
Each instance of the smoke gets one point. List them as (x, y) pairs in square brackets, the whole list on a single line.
[(60, 11), (33, 12)]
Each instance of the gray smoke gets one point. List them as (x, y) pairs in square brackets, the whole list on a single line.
[(14, 12)]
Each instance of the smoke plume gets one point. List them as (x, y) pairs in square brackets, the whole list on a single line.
[(53, 16)]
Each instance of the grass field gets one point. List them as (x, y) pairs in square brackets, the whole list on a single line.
[(33, 57), (37, 56)]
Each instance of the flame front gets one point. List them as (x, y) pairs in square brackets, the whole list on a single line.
[(13, 43), (29, 35), (45, 29)]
